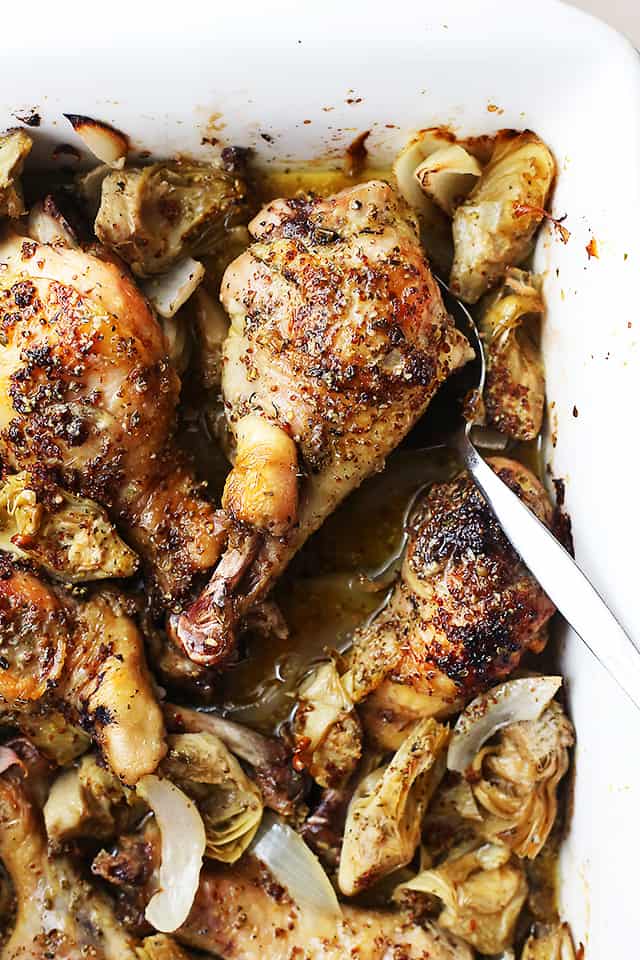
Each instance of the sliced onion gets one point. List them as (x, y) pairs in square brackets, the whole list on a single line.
[(183, 844), (105, 142), (8, 758), (47, 224), (511, 702), (293, 865), (169, 291), (447, 175), (423, 145)]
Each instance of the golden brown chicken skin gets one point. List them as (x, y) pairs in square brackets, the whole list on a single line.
[(338, 340), (242, 914), (86, 659), (87, 393), (59, 915), (463, 613)]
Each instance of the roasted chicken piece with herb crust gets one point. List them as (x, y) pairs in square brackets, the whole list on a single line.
[(338, 341), (85, 659), (242, 914), (59, 915), (462, 614), (87, 395)]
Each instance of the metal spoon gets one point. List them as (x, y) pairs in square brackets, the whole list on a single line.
[(553, 567)]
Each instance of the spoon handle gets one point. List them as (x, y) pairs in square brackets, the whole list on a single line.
[(558, 574)]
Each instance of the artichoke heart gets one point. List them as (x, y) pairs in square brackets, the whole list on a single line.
[(384, 820), (509, 324), (515, 780), (493, 228), (230, 804), (48, 729), (69, 536), (82, 802), (550, 943), (482, 889), (15, 147), (153, 216), (327, 729), (447, 176)]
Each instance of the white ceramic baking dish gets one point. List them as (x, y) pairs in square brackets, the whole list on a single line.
[(311, 77)]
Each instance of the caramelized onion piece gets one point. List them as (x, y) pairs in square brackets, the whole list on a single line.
[(293, 865), (183, 845), (104, 141)]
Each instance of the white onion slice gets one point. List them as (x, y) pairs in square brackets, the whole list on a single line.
[(447, 175), (105, 142), (293, 865), (183, 844), (425, 143), (510, 702), (169, 291), (47, 224)]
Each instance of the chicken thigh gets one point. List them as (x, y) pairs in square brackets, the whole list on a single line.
[(462, 614), (339, 338), (82, 658), (87, 394)]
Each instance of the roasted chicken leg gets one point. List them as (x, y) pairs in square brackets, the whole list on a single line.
[(58, 915), (84, 658), (462, 614), (87, 394), (241, 914), (338, 341)]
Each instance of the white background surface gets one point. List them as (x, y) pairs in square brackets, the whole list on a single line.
[(624, 15)]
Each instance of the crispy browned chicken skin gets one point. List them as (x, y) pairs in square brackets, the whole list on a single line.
[(87, 394), (462, 614), (338, 340), (83, 658)]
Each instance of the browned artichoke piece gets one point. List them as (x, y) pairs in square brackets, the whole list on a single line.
[(81, 803), (482, 888), (515, 780), (327, 728), (494, 228), (152, 216), (509, 323), (48, 729), (228, 801), (69, 536), (385, 815), (15, 147), (550, 943)]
